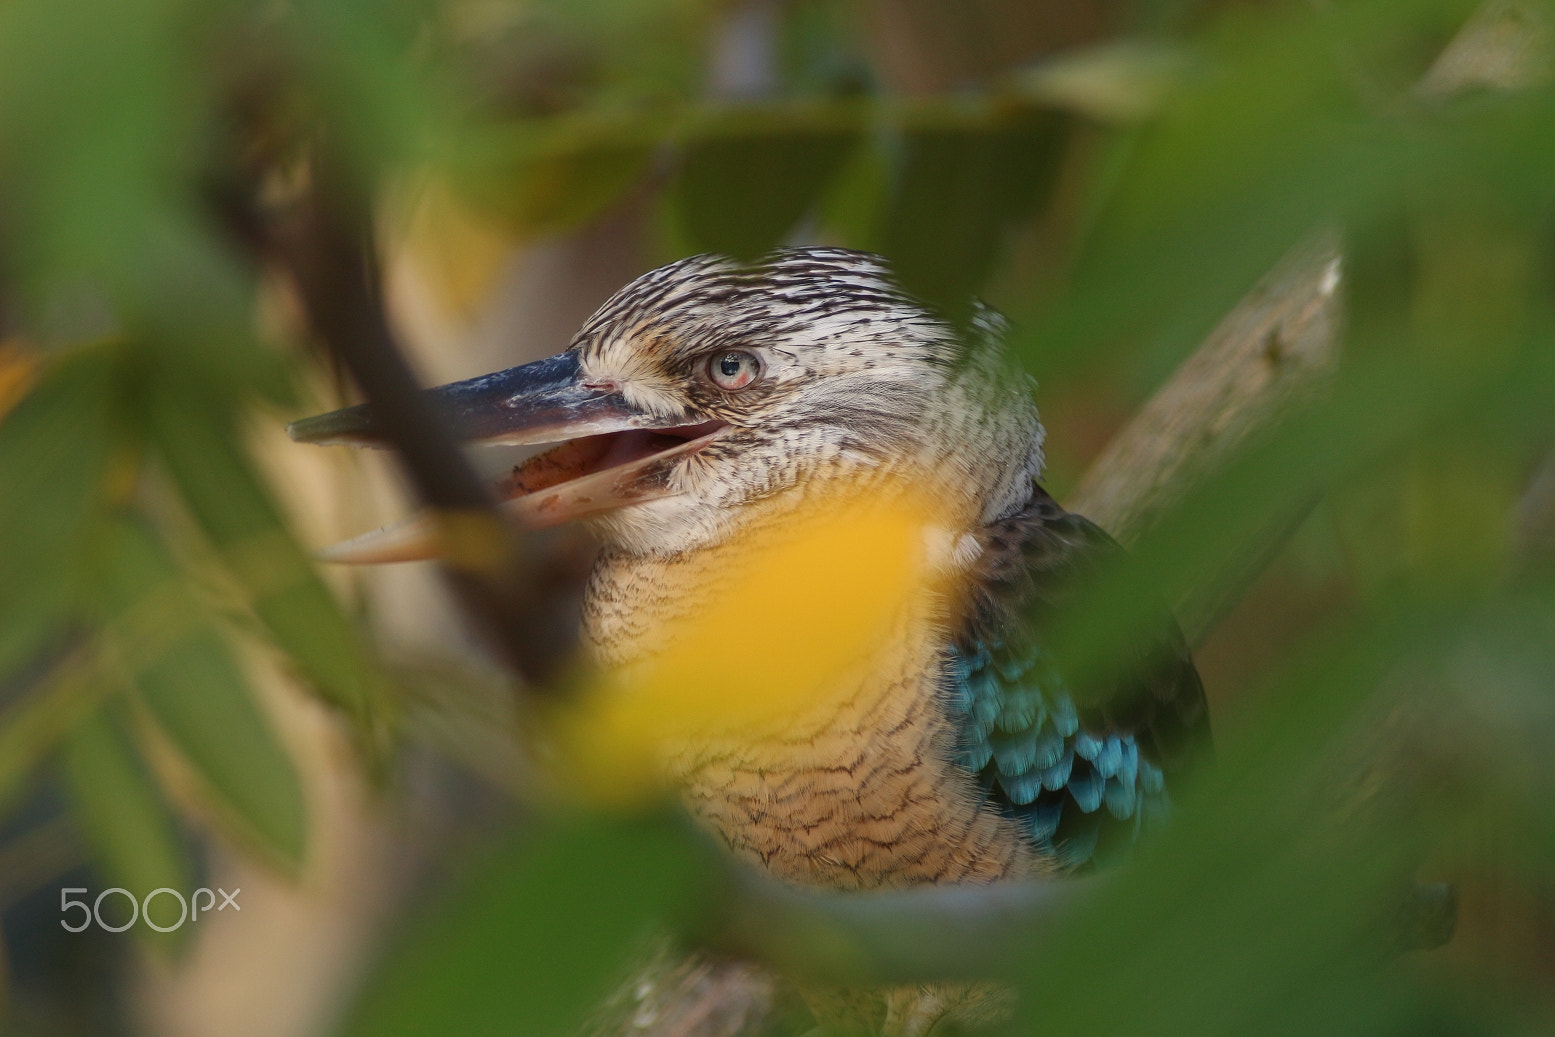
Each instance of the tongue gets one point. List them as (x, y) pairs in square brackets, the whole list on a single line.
[(557, 465), (581, 457)]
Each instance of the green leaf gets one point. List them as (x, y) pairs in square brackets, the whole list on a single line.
[(746, 180), (356, 57), (126, 819), (1279, 138), (551, 178), (853, 208), (959, 190), (198, 696), (200, 447), (46, 701), (56, 451), (97, 117), (537, 936)]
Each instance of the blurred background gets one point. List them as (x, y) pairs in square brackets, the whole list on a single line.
[(1304, 245)]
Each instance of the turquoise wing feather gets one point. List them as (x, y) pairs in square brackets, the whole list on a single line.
[(1085, 778)]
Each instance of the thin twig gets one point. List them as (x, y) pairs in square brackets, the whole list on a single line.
[(325, 245)]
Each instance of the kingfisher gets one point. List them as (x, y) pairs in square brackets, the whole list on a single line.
[(713, 400)]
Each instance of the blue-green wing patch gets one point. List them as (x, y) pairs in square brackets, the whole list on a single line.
[(1085, 783)]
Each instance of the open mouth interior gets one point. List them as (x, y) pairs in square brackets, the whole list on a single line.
[(629, 450), (576, 479)]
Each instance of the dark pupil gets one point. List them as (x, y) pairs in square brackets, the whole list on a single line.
[(730, 364)]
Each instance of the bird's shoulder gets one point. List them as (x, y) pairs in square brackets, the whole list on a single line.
[(1084, 773)]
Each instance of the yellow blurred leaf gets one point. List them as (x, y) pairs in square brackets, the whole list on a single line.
[(454, 252), (816, 604), (18, 369)]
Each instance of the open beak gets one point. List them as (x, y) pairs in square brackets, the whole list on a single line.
[(611, 454)]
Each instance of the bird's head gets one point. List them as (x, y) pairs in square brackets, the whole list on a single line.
[(707, 387)]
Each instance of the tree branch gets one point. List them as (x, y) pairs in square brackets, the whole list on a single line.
[(1276, 349), (325, 245)]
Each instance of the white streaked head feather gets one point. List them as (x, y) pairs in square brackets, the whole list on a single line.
[(860, 382)]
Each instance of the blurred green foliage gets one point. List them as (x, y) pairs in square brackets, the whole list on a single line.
[(138, 544), (607, 883)]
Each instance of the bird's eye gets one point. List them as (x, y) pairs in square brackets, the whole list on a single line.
[(734, 369)]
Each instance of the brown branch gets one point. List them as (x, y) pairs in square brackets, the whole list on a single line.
[(1273, 351), (325, 245), (1506, 45), (1277, 347)]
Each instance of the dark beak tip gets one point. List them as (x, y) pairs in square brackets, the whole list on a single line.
[(541, 397), (309, 430), (351, 425)]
